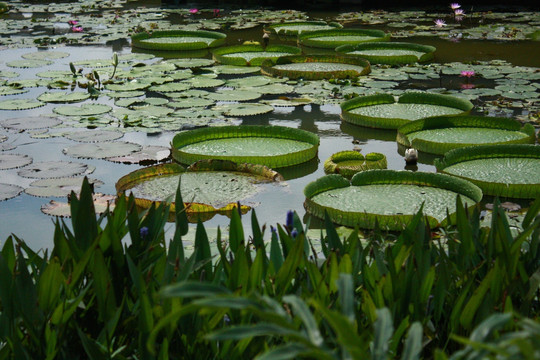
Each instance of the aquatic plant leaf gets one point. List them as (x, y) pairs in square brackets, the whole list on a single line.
[(51, 74), (348, 163), (125, 94), (101, 150), (146, 156), (11, 90), (30, 123), (405, 111), (204, 82), (94, 135), (55, 169), (244, 109), (9, 74), (288, 102), (102, 202), (12, 161), (58, 187), (190, 102), (250, 81), (233, 95), (20, 104), (178, 40), (297, 27), (128, 86), (234, 70), (63, 97), (83, 110), (190, 63), (9, 191), (45, 55), (171, 87), (273, 146), (271, 89), (28, 63)]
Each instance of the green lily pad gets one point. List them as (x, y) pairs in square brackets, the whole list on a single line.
[(101, 150), (244, 109), (45, 55), (30, 123), (190, 102), (10, 90), (52, 74), (146, 156), (178, 40), (190, 63), (13, 161), (58, 187), (63, 97), (170, 87), (298, 27), (204, 82), (334, 38), (28, 63), (83, 110), (9, 191), (63, 209), (55, 169), (273, 146), (387, 198), (348, 163), (234, 95), (499, 170), (235, 70), (94, 135), (125, 94), (129, 86), (20, 104), (9, 74), (250, 81)]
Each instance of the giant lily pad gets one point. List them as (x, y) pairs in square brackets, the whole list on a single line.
[(57, 187), (13, 161), (499, 170), (252, 54), (387, 198), (348, 163), (207, 187), (273, 146), (392, 53), (298, 27), (83, 110), (20, 104), (315, 67), (102, 150), (30, 123), (94, 135), (8, 191), (63, 97), (437, 135), (384, 112), (178, 40), (334, 38), (55, 169)]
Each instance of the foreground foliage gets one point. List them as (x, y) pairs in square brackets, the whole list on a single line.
[(469, 294)]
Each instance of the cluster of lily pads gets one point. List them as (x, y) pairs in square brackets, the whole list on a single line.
[(186, 75)]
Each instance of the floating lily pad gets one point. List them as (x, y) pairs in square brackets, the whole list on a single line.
[(94, 135), (383, 111), (45, 55), (125, 94), (178, 40), (387, 198), (171, 87), (348, 163), (392, 53), (297, 27), (129, 86), (11, 90), (28, 63), (190, 102), (83, 110), (13, 161), (101, 204), (234, 95), (63, 97), (249, 81), (334, 38), (208, 187), (273, 146), (58, 187), (252, 54), (30, 123), (437, 135), (191, 63), (51, 74), (9, 191), (499, 170), (20, 104), (9, 74), (102, 150), (204, 82), (244, 109), (55, 169), (315, 67), (146, 156), (235, 70)]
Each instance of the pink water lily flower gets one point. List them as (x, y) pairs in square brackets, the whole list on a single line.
[(440, 23), (73, 22), (467, 73), (193, 11), (454, 6), (459, 12), (77, 28)]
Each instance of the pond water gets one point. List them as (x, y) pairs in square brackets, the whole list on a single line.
[(506, 63)]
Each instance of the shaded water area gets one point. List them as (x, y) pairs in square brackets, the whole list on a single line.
[(490, 52)]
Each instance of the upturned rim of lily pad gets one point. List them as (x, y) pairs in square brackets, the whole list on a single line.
[(137, 40)]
